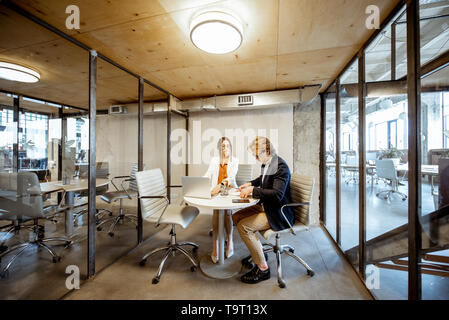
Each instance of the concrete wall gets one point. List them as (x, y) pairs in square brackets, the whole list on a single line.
[(306, 150)]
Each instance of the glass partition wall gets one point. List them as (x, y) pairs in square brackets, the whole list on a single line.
[(46, 130), (372, 225)]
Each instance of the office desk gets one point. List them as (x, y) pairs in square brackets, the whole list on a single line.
[(76, 185), (224, 269)]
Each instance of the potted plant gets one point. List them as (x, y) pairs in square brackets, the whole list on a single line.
[(393, 154)]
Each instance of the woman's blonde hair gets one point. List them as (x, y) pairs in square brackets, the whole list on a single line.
[(262, 143)]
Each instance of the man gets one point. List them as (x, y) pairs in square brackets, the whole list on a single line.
[(272, 187)]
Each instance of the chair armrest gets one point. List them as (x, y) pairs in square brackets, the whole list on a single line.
[(292, 205), (118, 177), (124, 189), (158, 223)]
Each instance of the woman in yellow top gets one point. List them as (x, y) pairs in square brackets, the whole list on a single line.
[(222, 170)]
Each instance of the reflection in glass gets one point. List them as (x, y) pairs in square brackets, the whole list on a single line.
[(330, 158), (386, 193), (434, 180), (349, 158)]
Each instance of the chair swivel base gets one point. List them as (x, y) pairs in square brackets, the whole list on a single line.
[(290, 251), (388, 194), (171, 249), (21, 248), (115, 220)]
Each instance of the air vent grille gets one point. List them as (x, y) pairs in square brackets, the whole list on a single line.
[(245, 100)]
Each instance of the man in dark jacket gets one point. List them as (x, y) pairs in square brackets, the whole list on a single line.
[(272, 187)]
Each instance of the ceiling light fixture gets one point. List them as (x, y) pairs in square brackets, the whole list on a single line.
[(216, 32), (14, 72)]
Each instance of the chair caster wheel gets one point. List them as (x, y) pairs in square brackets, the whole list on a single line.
[(281, 285), (155, 280), (56, 259), (99, 228), (142, 262), (4, 274), (3, 248), (110, 214), (291, 250), (111, 234), (211, 233), (310, 273), (68, 244), (193, 268), (195, 249)]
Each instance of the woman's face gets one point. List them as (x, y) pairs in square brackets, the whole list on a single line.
[(225, 148)]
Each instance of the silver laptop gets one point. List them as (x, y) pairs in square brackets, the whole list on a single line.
[(196, 187)]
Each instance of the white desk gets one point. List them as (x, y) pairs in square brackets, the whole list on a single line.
[(76, 185), (224, 269)]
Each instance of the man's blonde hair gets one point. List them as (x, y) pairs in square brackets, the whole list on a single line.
[(260, 144)]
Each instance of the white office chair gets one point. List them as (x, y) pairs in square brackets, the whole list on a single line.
[(21, 199), (156, 209), (301, 188), (385, 169), (120, 194)]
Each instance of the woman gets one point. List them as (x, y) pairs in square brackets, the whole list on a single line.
[(222, 171)]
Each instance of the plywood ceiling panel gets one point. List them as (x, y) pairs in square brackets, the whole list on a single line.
[(306, 25), (311, 66), (287, 43)]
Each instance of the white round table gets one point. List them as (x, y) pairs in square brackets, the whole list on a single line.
[(223, 269)]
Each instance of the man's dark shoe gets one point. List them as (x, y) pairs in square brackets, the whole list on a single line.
[(248, 261), (256, 275)]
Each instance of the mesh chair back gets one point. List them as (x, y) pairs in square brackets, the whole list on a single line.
[(151, 183), (102, 170), (301, 188), (385, 169), (244, 174)]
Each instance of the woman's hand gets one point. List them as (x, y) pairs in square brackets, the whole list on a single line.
[(215, 190), (244, 186)]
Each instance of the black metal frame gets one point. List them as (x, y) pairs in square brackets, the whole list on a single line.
[(415, 73)]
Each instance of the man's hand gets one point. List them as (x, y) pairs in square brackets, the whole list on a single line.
[(215, 190), (244, 193), (243, 186)]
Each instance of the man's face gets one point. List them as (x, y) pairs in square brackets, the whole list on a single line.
[(262, 156)]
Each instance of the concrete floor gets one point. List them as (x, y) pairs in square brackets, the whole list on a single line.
[(334, 278), (34, 276)]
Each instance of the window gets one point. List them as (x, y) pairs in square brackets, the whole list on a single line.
[(33, 140)]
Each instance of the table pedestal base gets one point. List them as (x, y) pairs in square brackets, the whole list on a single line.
[(228, 269)]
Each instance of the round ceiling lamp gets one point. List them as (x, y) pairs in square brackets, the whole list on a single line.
[(14, 72), (216, 32)]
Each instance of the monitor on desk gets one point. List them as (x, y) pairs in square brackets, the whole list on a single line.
[(196, 187)]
